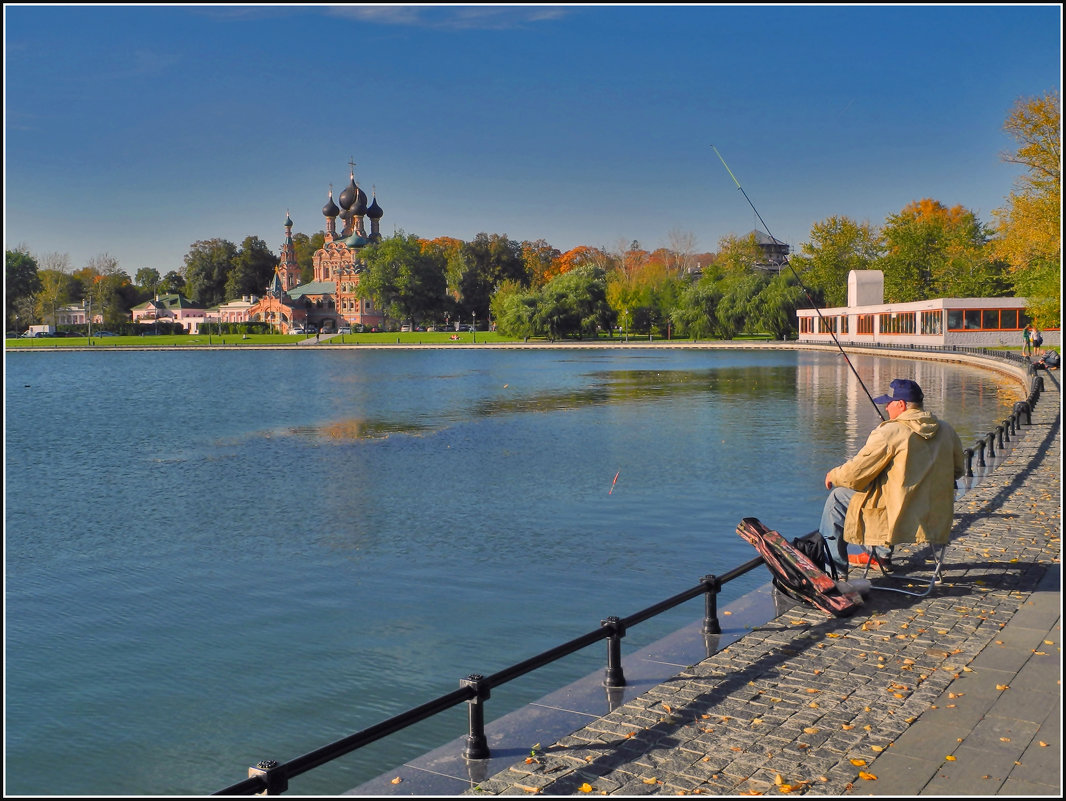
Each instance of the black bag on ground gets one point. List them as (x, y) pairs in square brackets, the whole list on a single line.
[(815, 548)]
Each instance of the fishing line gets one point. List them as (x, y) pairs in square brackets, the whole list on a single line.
[(810, 300)]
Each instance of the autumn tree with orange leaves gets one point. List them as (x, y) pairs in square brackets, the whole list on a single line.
[(933, 251)]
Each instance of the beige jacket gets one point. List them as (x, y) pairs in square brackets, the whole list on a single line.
[(905, 481)]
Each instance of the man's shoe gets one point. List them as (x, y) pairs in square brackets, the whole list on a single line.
[(864, 559)]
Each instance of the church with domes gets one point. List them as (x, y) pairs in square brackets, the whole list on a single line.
[(329, 301)]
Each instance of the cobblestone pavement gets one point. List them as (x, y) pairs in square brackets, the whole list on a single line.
[(955, 693)]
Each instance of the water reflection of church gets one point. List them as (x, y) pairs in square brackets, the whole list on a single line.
[(329, 301)]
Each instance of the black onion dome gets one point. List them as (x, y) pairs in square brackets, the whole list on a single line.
[(359, 207), (330, 209), (288, 221), (374, 212), (348, 196)]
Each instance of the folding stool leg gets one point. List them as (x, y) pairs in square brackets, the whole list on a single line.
[(938, 553)]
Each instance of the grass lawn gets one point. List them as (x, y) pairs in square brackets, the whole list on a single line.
[(260, 340)]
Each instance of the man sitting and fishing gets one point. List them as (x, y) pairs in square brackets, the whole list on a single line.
[(899, 488)]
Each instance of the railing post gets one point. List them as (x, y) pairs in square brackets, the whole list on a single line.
[(980, 445), (968, 455), (999, 434), (1022, 407), (614, 677), (711, 587), (990, 437), (477, 746), (277, 782)]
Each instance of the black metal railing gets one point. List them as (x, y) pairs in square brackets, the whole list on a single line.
[(272, 778)]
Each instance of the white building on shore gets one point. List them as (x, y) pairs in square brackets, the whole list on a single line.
[(965, 322)]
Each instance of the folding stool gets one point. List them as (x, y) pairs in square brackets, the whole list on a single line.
[(938, 553)]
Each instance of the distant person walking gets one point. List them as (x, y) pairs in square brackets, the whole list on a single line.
[(1027, 341)]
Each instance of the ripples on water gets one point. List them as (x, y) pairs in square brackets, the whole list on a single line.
[(202, 575)]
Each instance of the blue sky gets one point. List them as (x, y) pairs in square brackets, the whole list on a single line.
[(137, 131)]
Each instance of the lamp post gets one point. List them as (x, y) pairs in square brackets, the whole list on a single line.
[(89, 316), (473, 327)]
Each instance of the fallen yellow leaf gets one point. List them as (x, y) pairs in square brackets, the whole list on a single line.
[(858, 762), (651, 781), (1002, 686), (867, 776), (585, 788), (877, 749), (949, 758), (397, 780), (811, 730)]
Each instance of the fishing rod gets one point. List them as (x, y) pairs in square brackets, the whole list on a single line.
[(810, 300)]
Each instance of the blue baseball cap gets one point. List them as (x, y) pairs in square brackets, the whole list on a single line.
[(903, 389)]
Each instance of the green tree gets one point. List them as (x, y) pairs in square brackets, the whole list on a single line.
[(514, 309), (837, 246), (404, 279), (695, 314), (935, 251), (737, 304), (172, 283), (207, 267), (251, 269), (1029, 226), (483, 264), (305, 248), (149, 280), (21, 285), (644, 299), (774, 308), (574, 304)]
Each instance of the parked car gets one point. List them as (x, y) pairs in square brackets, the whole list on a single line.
[(344, 329), (297, 329), (105, 334)]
